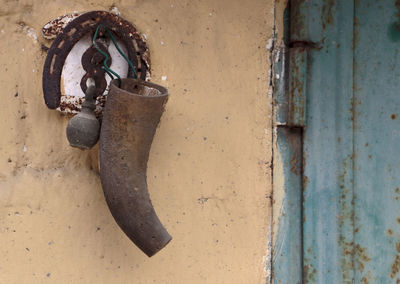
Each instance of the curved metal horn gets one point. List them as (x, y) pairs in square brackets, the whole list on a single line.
[(130, 119)]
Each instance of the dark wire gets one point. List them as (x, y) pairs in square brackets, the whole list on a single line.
[(107, 69)]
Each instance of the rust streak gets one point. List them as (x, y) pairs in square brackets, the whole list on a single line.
[(361, 257), (364, 280), (294, 165), (397, 5), (395, 269), (327, 13)]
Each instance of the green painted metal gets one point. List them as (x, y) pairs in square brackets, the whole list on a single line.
[(287, 256), (346, 54), (328, 145), (297, 80), (377, 141)]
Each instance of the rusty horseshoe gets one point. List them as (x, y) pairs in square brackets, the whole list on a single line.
[(73, 32)]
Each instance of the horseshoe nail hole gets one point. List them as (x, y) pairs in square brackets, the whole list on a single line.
[(71, 32), (53, 61), (60, 44)]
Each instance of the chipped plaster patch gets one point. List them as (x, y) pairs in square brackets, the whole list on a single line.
[(267, 261), (114, 10), (29, 31), (270, 44)]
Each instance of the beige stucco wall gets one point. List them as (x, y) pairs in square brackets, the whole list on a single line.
[(213, 197)]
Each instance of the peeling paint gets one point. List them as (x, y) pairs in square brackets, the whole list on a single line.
[(29, 31)]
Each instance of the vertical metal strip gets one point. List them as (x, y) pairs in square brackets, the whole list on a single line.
[(287, 256), (328, 145), (297, 86), (299, 43), (287, 171)]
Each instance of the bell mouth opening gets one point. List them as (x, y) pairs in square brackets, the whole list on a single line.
[(140, 88)]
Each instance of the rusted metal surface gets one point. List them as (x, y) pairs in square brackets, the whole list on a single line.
[(297, 86), (298, 53), (130, 120), (92, 63), (53, 28), (299, 20), (328, 13), (395, 268), (77, 28), (351, 216)]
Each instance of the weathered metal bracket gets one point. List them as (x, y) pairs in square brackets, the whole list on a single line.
[(297, 86), (87, 23), (291, 68), (290, 81), (298, 49)]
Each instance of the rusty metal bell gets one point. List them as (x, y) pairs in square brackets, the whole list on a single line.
[(130, 119), (83, 129)]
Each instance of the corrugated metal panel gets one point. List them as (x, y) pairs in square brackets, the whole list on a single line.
[(377, 141), (314, 50), (328, 145), (344, 60)]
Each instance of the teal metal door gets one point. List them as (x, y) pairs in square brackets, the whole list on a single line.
[(340, 100)]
